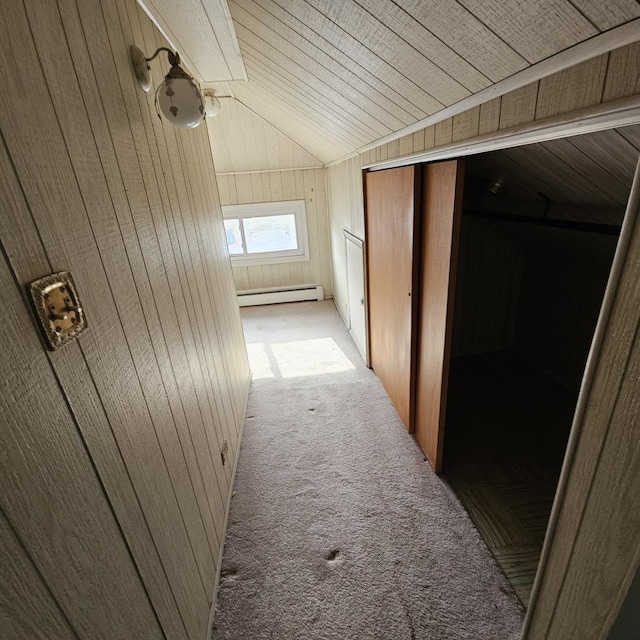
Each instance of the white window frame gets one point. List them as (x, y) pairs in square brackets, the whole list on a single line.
[(265, 209)]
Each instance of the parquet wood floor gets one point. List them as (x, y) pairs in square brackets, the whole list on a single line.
[(506, 434)]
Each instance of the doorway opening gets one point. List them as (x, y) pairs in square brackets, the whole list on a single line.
[(539, 230)]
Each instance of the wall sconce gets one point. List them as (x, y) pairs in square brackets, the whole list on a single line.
[(178, 97), (212, 104)]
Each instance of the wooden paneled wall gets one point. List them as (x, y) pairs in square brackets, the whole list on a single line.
[(308, 185), (487, 290), (242, 141), (346, 211), (602, 79), (540, 297), (557, 315), (112, 488)]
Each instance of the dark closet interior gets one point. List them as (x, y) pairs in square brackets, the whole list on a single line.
[(539, 230)]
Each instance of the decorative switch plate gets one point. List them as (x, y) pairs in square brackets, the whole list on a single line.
[(58, 308)]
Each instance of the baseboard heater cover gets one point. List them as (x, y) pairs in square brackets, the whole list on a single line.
[(275, 295)]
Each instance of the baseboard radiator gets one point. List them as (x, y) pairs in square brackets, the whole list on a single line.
[(274, 295)]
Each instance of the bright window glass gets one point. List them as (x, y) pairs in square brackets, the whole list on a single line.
[(266, 233), (270, 233), (234, 237)]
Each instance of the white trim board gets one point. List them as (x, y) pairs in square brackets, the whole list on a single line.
[(598, 45), (240, 173), (619, 113)]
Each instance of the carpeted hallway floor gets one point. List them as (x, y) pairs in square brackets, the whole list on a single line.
[(338, 527)]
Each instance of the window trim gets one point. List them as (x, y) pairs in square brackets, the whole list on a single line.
[(266, 209)]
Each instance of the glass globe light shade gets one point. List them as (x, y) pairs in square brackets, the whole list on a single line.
[(212, 105), (181, 102)]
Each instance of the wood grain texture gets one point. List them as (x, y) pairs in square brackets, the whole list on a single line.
[(518, 106), (97, 184), (235, 128), (609, 15), (559, 308), (334, 77), (468, 36), (535, 29), (440, 221), (487, 286), (28, 258), (574, 88), (27, 608), (622, 78), (53, 498), (203, 33), (466, 125), (390, 202), (307, 185)]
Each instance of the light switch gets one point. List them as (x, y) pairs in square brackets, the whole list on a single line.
[(58, 308)]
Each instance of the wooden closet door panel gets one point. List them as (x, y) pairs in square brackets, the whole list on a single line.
[(390, 216), (443, 183)]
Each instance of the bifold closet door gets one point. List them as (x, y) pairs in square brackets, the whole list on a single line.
[(390, 198), (441, 210)]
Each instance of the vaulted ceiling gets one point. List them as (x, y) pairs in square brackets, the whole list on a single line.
[(335, 75)]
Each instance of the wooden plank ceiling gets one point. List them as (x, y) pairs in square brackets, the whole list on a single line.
[(202, 31), (336, 75), (586, 177)]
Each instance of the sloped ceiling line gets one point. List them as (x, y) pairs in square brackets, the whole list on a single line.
[(341, 76), (282, 133), (243, 142)]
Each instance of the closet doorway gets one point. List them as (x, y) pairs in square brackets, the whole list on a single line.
[(539, 226)]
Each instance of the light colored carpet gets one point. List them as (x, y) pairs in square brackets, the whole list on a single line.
[(338, 527)]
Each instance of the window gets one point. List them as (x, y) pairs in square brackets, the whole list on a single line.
[(266, 233)]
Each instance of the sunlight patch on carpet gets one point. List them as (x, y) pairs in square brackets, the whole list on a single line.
[(310, 358), (259, 361)]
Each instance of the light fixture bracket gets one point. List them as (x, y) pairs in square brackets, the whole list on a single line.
[(141, 68)]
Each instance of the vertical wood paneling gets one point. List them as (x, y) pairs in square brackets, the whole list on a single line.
[(623, 78), (518, 107), (443, 132), (559, 307), (599, 80), (490, 116), (574, 88), (27, 608), (23, 244), (53, 498), (466, 125), (141, 404), (487, 290), (307, 185)]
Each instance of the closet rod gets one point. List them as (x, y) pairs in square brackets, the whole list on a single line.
[(574, 225)]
